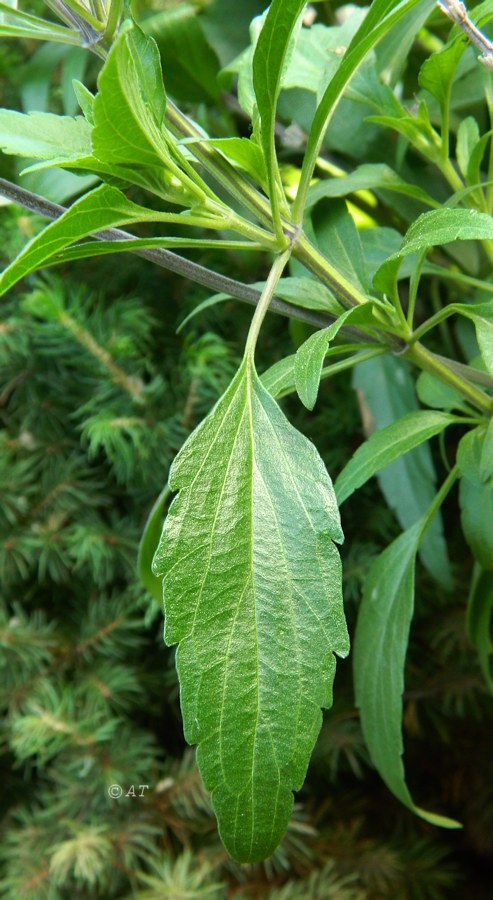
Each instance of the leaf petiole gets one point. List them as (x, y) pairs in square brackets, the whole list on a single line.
[(267, 294)]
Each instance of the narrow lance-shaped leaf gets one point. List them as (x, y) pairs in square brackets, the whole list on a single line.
[(102, 208), (479, 617), (268, 62), (310, 356), (387, 444), (432, 229), (379, 655), (149, 543), (252, 592), (476, 496)]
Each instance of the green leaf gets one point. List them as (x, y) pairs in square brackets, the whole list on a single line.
[(338, 238), (481, 314), (268, 63), (476, 494), (279, 377), (85, 100), (190, 64), (438, 71), (38, 135), (130, 104), (252, 593), (369, 176), (387, 444), (307, 293), (486, 458), (435, 393), (102, 208), (310, 356), (245, 153), (14, 23), (478, 620), (149, 543), (386, 390), (380, 647), (432, 229), (382, 15), (467, 139)]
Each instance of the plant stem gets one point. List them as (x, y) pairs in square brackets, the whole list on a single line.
[(264, 302), (438, 366), (218, 166), (313, 259), (439, 498), (166, 259), (416, 352)]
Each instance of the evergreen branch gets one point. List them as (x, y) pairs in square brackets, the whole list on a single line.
[(168, 260), (133, 386)]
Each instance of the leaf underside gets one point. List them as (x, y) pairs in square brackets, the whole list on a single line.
[(252, 593)]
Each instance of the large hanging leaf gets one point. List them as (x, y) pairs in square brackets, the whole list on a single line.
[(379, 655), (252, 593)]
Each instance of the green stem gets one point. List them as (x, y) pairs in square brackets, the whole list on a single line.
[(313, 259), (427, 361), (439, 498), (351, 296), (218, 166), (264, 302)]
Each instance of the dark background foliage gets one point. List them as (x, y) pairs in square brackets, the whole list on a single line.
[(97, 393)]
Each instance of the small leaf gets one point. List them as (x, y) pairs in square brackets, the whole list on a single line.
[(380, 647), (252, 593), (432, 229), (479, 617), (438, 71), (467, 138), (268, 63), (336, 235), (435, 393), (85, 100), (486, 458), (387, 444), (279, 377), (309, 294), (476, 497), (310, 356), (130, 104), (370, 176), (245, 153), (149, 543)]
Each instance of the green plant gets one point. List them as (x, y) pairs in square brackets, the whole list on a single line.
[(252, 579)]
